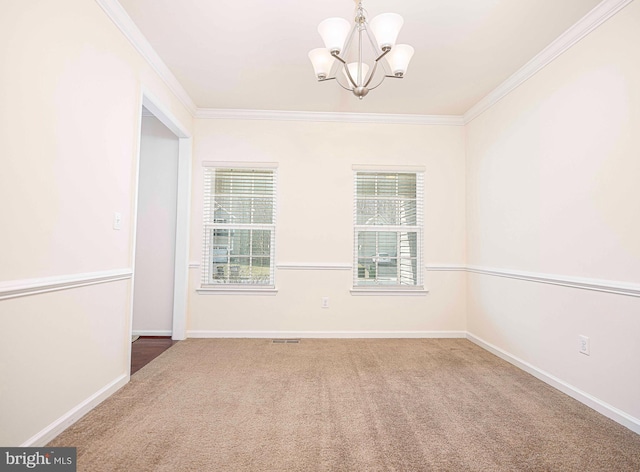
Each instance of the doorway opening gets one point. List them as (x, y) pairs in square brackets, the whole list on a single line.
[(155, 243), (161, 229)]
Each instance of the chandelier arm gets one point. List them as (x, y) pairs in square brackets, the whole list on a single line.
[(384, 53), (333, 78), (344, 65), (372, 40), (347, 43), (379, 52), (335, 54), (346, 88), (384, 77), (373, 72), (349, 76), (375, 66), (360, 78), (336, 66)]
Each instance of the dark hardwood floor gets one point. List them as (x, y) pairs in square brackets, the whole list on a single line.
[(147, 348)]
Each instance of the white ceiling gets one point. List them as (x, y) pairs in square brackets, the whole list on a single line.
[(252, 54)]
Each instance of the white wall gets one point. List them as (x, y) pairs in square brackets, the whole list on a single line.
[(156, 230), (70, 100), (315, 227), (552, 188)]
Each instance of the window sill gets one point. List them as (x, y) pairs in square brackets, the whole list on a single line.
[(389, 291), (269, 291)]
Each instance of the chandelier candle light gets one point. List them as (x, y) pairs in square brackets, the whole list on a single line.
[(376, 43)]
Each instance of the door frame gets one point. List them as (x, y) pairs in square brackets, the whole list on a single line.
[(183, 210)]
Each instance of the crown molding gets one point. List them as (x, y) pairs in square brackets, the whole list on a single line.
[(125, 24), (601, 13), (318, 116)]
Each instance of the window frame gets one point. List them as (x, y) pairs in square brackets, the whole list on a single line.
[(207, 284), (389, 288)]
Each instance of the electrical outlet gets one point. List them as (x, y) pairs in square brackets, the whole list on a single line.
[(583, 345), (325, 302), (117, 220)]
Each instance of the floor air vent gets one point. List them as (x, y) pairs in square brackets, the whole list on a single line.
[(285, 341)]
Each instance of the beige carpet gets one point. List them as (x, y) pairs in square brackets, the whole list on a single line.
[(343, 405)]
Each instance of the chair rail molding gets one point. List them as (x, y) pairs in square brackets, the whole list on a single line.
[(313, 266), (584, 283), (26, 287), (445, 267), (598, 285)]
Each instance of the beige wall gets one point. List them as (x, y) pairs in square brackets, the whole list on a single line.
[(552, 188), (70, 98), (315, 225)]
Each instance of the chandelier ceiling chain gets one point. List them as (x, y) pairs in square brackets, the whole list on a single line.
[(375, 45)]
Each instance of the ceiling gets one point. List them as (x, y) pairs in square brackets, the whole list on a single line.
[(252, 54)]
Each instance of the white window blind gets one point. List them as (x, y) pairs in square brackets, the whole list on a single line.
[(388, 222), (239, 226)]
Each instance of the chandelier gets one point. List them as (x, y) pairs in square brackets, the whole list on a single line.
[(374, 46)]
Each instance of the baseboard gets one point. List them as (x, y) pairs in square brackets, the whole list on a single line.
[(54, 429), (161, 332), (601, 407), (326, 334)]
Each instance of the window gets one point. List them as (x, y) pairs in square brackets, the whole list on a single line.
[(239, 227), (388, 229)]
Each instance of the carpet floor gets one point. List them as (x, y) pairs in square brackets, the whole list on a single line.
[(343, 405)]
